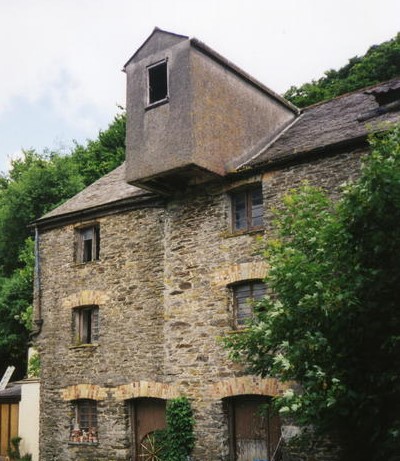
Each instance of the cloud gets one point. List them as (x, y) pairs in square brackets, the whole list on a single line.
[(61, 59)]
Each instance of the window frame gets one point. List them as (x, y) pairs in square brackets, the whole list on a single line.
[(251, 210), (239, 321), (151, 101), (93, 248), (84, 409), (85, 325)]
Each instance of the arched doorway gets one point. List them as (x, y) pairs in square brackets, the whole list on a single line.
[(148, 416), (254, 428)]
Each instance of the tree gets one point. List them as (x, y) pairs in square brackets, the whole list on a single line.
[(16, 293), (101, 155), (380, 63), (37, 183), (331, 322)]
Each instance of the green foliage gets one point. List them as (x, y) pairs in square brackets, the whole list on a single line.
[(34, 365), (180, 423), (37, 183), (16, 294), (176, 442), (102, 155), (332, 322), (14, 451), (380, 63)]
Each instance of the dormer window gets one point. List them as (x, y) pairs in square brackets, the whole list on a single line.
[(157, 83)]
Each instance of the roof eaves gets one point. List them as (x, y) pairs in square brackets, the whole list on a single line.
[(241, 73), (127, 204), (300, 156)]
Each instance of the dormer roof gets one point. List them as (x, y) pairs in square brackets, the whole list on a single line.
[(161, 39), (158, 40)]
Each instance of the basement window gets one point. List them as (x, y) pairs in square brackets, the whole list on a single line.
[(88, 247), (84, 422), (247, 209), (157, 83), (244, 295), (85, 325)]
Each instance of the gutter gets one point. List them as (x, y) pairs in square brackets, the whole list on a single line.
[(38, 320)]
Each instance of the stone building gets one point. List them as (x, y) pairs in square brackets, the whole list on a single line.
[(139, 274)]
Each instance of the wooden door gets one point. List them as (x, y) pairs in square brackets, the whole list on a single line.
[(8, 425), (254, 429), (148, 416)]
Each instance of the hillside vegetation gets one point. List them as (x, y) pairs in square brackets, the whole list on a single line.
[(380, 63), (40, 181)]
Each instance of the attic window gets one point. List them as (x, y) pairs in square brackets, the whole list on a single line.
[(158, 82)]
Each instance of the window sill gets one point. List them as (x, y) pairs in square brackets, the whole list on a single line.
[(157, 103), (256, 231), (85, 263), (78, 444), (85, 346)]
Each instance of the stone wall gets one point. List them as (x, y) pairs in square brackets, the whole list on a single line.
[(161, 285)]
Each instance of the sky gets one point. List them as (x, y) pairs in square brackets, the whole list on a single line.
[(61, 60)]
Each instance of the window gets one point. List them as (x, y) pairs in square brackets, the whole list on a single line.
[(247, 209), (88, 244), (243, 296), (158, 82), (84, 422), (86, 325)]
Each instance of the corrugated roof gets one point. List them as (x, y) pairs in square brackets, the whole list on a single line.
[(345, 118)]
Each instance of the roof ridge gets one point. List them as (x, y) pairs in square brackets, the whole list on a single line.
[(270, 143), (349, 93)]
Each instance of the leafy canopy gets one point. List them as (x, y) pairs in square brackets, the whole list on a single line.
[(37, 183), (332, 320), (380, 63)]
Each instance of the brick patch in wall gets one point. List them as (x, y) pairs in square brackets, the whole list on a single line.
[(145, 389), (84, 391), (85, 298), (247, 385), (238, 272)]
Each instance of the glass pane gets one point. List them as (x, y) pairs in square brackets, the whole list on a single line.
[(239, 211), (256, 208), (87, 250), (258, 290)]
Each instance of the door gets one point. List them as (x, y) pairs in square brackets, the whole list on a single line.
[(148, 416), (8, 425), (254, 429)]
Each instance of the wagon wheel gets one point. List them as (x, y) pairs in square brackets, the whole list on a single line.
[(149, 449)]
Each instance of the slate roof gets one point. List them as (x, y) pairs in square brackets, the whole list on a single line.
[(328, 125), (339, 121), (110, 189)]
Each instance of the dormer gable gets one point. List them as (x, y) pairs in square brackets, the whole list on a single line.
[(158, 41), (191, 113)]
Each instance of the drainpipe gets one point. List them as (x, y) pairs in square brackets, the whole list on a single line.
[(38, 321)]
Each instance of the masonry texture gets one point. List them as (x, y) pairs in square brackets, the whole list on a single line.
[(162, 283)]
